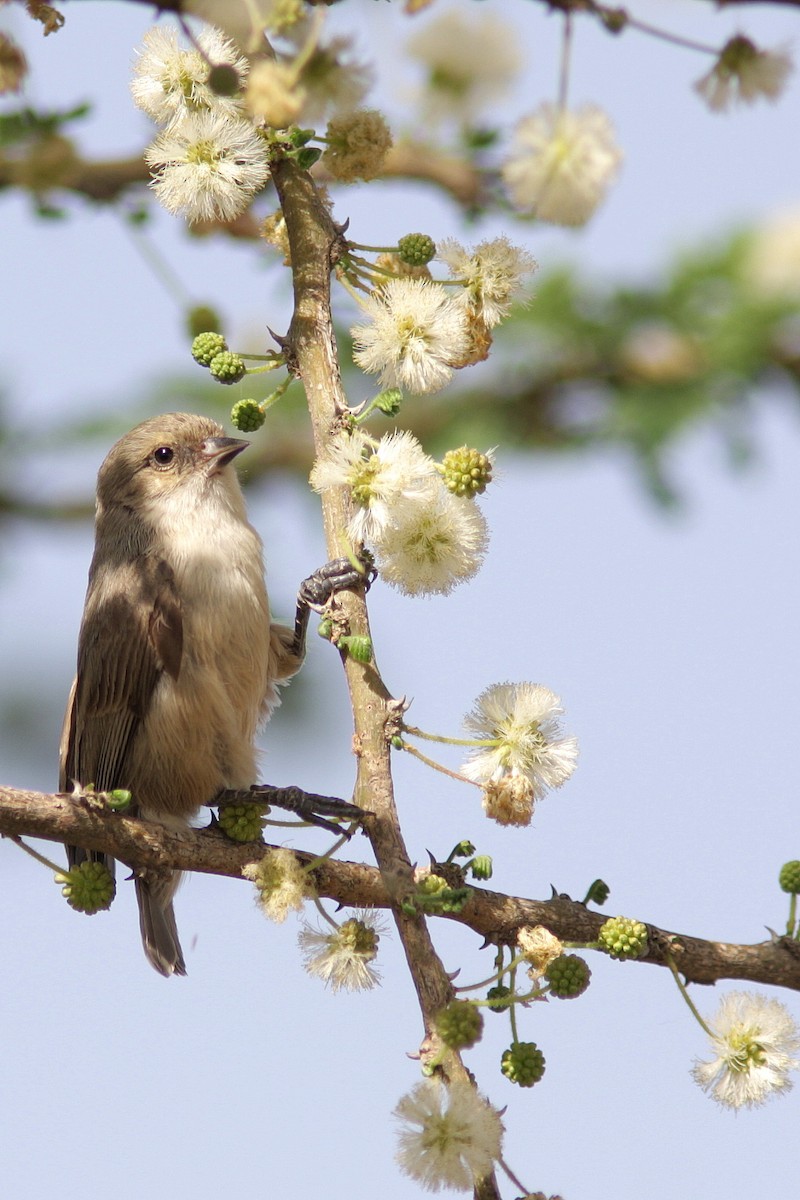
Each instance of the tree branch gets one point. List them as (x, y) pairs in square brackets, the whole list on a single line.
[(493, 916)]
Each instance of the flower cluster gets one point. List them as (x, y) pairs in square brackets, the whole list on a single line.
[(522, 752), (419, 332), (209, 161), (426, 540)]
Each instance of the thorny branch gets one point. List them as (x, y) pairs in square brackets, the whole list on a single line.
[(493, 916)]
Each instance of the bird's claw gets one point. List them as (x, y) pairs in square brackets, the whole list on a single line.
[(310, 807), (339, 575)]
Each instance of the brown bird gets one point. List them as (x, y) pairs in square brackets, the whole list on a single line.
[(179, 662)]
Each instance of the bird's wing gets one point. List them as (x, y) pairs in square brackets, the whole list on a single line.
[(132, 633)]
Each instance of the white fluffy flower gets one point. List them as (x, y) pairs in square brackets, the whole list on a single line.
[(416, 331), (521, 720), (742, 74), (427, 548), (169, 81), (561, 163), (452, 1139), (471, 60), (755, 1040), (381, 476), (343, 957), (208, 166), (281, 882), (491, 274)]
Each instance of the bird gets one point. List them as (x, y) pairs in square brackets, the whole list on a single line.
[(179, 661)]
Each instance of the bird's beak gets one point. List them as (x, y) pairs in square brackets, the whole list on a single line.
[(217, 452)]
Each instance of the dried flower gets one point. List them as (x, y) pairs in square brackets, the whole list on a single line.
[(282, 883), (742, 74)]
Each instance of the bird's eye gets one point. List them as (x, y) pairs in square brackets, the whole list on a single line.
[(163, 456)]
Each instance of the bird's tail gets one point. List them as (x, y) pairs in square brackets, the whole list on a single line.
[(157, 923)]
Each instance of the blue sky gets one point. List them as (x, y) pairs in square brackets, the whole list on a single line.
[(671, 640)]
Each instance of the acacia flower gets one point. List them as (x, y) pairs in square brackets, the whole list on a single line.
[(169, 81), (357, 145), (539, 947), (742, 73), (343, 957), (208, 166), (333, 78), (522, 720), (428, 548), (274, 93), (755, 1041), (470, 61), (561, 163), (416, 331), (491, 275), (380, 475), (281, 882), (509, 800), (452, 1137)]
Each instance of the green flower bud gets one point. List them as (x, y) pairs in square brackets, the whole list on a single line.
[(467, 472), (432, 885), (359, 648), (416, 249), (325, 628), (568, 976), (203, 319), (361, 939), (227, 367), (462, 850), (498, 997), (622, 937), (789, 877), (88, 888), (119, 799), (243, 822), (523, 1063), (224, 80), (598, 892), (389, 402), (206, 346), (307, 156), (247, 415), (481, 866), (459, 1025)]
